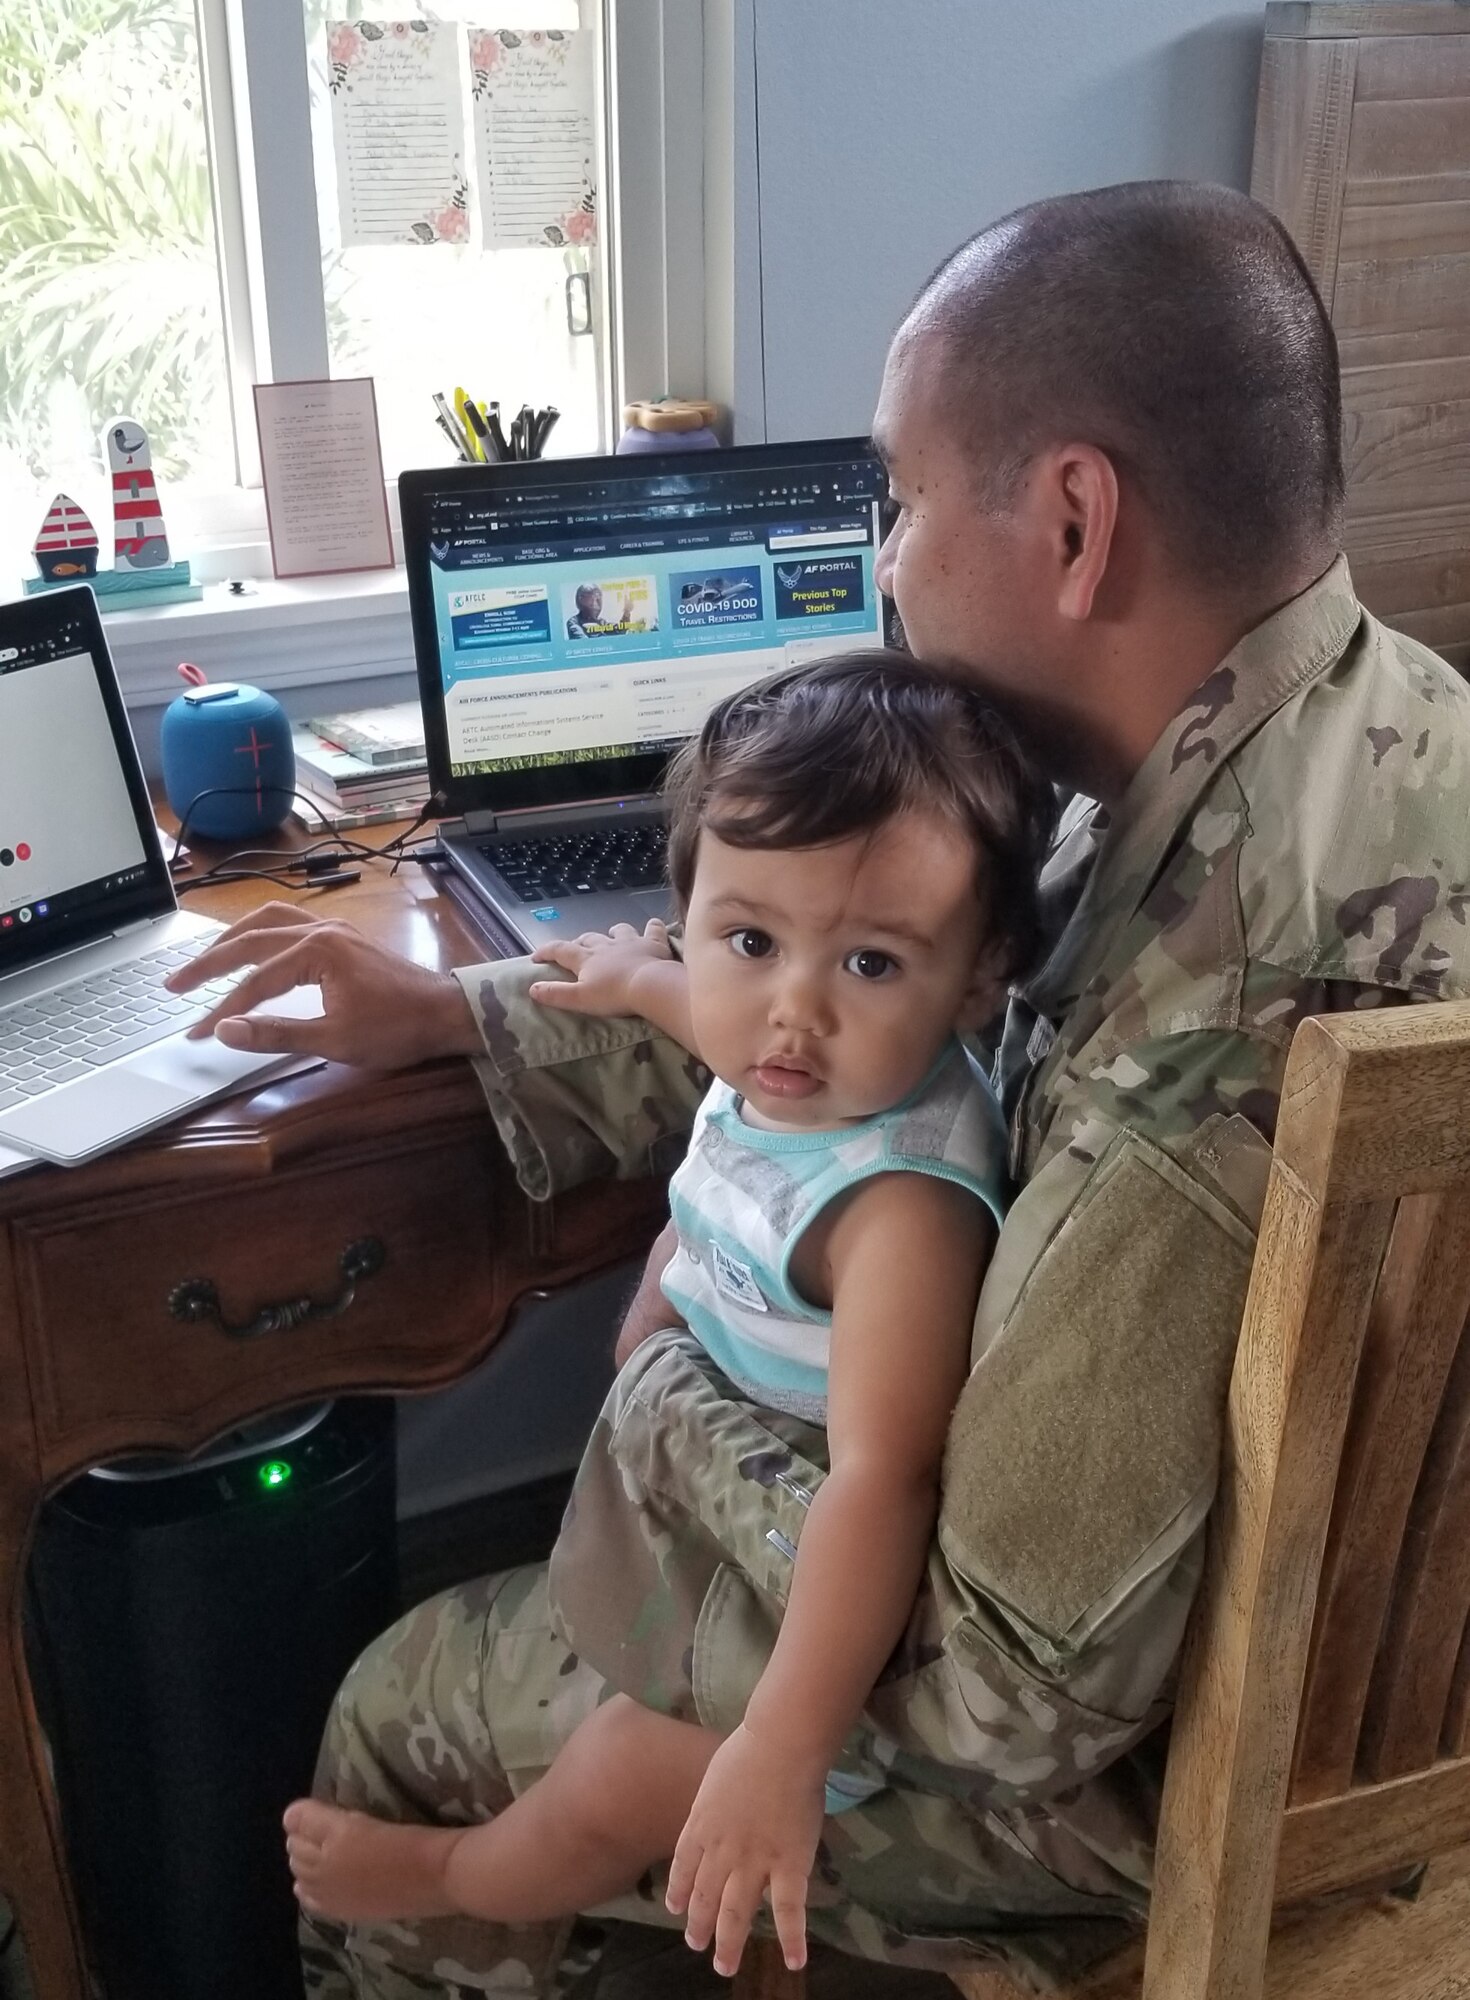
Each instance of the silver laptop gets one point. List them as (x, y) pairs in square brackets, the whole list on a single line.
[(574, 622), (91, 1047)]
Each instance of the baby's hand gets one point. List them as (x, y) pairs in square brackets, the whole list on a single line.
[(606, 965), (752, 1832)]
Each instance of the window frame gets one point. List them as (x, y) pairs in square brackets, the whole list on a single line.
[(254, 59), (354, 631)]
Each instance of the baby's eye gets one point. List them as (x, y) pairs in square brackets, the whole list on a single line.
[(750, 944), (870, 964)]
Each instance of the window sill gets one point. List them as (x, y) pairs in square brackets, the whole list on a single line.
[(277, 635)]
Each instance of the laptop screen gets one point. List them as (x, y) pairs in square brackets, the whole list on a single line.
[(574, 621), (79, 855)]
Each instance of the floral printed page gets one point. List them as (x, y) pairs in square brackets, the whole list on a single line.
[(535, 136), (398, 128)]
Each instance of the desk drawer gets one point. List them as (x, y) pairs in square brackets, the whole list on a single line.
[(348, 1276)]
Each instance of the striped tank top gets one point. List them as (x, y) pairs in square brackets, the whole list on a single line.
[(743, 1199)]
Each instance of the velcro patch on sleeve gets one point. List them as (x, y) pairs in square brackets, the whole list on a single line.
[(1093, 1421)]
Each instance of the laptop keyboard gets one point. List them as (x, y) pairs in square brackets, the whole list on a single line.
[(75, 1029), (629, 855)]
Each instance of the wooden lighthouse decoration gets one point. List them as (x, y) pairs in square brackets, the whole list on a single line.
[(141, 538), (143, 571)]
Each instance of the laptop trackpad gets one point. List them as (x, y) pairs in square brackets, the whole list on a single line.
[(196, 1069), (142, 1090), (70, 1124)]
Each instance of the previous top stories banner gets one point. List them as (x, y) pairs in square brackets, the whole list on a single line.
[(562, 614)]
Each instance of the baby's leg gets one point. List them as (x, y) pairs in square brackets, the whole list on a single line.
[(614, 1803)]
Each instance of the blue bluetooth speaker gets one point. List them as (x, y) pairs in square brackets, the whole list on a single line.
[(234, 743)]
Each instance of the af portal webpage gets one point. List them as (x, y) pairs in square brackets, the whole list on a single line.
[(600, 644)]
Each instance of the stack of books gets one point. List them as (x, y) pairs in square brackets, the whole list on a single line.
[(362, 768)]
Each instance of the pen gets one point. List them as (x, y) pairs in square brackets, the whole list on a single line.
[(452, 432), (497, 435), (461, 403), (454, 427), (548, 423), (476, 422)]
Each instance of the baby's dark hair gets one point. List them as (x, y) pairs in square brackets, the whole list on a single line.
[(817, 753)]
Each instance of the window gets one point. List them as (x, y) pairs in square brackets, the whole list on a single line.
[(512, 324), (169, 232), (110, 304)]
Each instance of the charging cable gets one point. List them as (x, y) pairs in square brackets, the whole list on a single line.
[(324, 864)]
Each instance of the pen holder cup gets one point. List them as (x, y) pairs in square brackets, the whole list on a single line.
[(233, 743)]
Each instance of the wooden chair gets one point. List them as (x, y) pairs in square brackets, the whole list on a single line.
[(1322, 1734)]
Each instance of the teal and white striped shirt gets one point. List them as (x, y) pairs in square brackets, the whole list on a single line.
[(743, 1199)]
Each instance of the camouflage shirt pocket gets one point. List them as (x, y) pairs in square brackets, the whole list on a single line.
[(1085, 1445)]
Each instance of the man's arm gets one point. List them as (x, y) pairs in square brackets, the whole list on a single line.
[(573, 1097)]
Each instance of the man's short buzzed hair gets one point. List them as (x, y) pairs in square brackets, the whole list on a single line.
[(1174, 325)]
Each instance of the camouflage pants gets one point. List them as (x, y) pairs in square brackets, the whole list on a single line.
[(460, 1707)]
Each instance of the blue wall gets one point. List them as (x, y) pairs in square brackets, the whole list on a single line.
[(890, 130)]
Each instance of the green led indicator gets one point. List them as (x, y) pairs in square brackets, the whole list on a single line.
[(275, 1472)]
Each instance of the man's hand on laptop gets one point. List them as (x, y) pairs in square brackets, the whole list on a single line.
[(379, 1011)]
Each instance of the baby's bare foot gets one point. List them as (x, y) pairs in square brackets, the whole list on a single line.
[(362, 1870)]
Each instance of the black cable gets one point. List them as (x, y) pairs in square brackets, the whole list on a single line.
[(434, 802), (337, 880), (252, 791), (309, 861)]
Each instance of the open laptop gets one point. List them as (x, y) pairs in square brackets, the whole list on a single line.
[(91, 1047), (575, 620)]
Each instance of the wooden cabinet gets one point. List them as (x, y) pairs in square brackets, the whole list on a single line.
[(1363, 150)]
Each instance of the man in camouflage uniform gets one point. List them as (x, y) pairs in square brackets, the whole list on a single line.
[(1112, 425)]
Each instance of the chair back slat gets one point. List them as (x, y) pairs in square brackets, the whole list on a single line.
[(1311, 1288), (1414, 1329), (1399, 1126), (1375, 1108), (1405, 1724)]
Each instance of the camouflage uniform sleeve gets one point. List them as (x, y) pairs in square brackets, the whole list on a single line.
[(577, 1096), (1081, 1466)]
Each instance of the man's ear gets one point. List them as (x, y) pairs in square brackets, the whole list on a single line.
[(1081, 496)]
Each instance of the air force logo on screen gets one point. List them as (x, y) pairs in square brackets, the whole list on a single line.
[(820, 588)]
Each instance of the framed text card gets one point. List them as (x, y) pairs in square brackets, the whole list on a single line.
[(325, 502)]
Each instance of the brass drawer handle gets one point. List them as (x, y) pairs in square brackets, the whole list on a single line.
[(197, 1299)]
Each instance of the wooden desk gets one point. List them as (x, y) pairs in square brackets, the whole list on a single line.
[(262, 1194)]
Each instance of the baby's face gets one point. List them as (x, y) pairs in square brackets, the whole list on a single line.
[(823, 981)]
